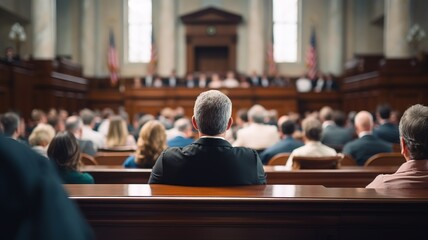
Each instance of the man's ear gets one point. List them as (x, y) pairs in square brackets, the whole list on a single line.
[(195, 125), (404, 149), (229, 123)]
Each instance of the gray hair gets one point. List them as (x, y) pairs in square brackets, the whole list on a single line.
[(312, 128), (212, 112), (73, 124), (257, 114), (182, 124), (413, 129), (87, 116)]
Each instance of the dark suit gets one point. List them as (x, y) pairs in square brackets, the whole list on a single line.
[(254, 81), (286, 145), (363, 148), (208, 162), (34, 203), (334, 135), (388, 132)]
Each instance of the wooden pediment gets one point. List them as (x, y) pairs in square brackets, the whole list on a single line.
[(211, 15)]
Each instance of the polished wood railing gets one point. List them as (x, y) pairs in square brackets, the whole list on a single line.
[(251, 212)]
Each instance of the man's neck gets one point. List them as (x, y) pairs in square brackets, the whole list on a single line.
[(222, 135)]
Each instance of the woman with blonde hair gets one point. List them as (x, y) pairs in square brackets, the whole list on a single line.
[(40, 138), (118, 135), (151, 143)]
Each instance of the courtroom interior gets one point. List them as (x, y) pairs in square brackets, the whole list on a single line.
[(216, 119)]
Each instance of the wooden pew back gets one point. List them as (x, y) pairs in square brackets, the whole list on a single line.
[(251, 212)]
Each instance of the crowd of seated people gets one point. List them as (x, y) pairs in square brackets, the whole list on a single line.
[(320, 133), (213, 80)]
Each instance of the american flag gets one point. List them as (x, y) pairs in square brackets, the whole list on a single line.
[(113, 61), (151, 68), (311, 57)]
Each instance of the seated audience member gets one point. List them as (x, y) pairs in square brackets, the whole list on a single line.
[(185, 133), (230, 81), (312, 131), (157, 83), (103, 127), (254, 79), (88, 119), (40, 138), (367, 144), (286, 145), (150, 144), (336, 134), (148, 80), (190, 81), (216, 82), (74, 125), (330, 83), (257, 135), (34, 203), (319, 83), (118, 135), (326, 116), (172, 80), (202, 80), (386, 130), (166, 117), (264, 81), (303, 84), (141, 121), (414, 147), (280, 81), (211, 160), (64, 151), (56, 122), (243, 82), (10, 123)]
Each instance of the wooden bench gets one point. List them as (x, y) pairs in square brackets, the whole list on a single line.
[(251, 212), (343, 177)]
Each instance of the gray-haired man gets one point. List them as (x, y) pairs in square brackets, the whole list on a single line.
[(211, 160)]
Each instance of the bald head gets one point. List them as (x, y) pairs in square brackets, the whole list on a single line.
[(364, 121)]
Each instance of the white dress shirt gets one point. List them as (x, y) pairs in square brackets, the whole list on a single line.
[(310, 149)]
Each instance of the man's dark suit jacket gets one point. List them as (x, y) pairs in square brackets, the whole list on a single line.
[(333, 135), (208, 162), (286, 145), (363, 148), (388, 132)]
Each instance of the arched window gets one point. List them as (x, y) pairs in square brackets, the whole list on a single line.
[(286, 22), (139, 19)]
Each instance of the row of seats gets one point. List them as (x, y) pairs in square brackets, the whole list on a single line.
[(381, 159)]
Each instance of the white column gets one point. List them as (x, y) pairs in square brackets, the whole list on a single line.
[(88, 37), (256, 48), (44, 25), (397, 13), (336, 37), (166, 37)]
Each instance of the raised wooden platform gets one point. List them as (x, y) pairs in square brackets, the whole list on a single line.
[(344, 177), (253, 212)]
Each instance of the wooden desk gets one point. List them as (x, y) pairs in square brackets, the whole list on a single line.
[(253, 212), (344, 177)]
